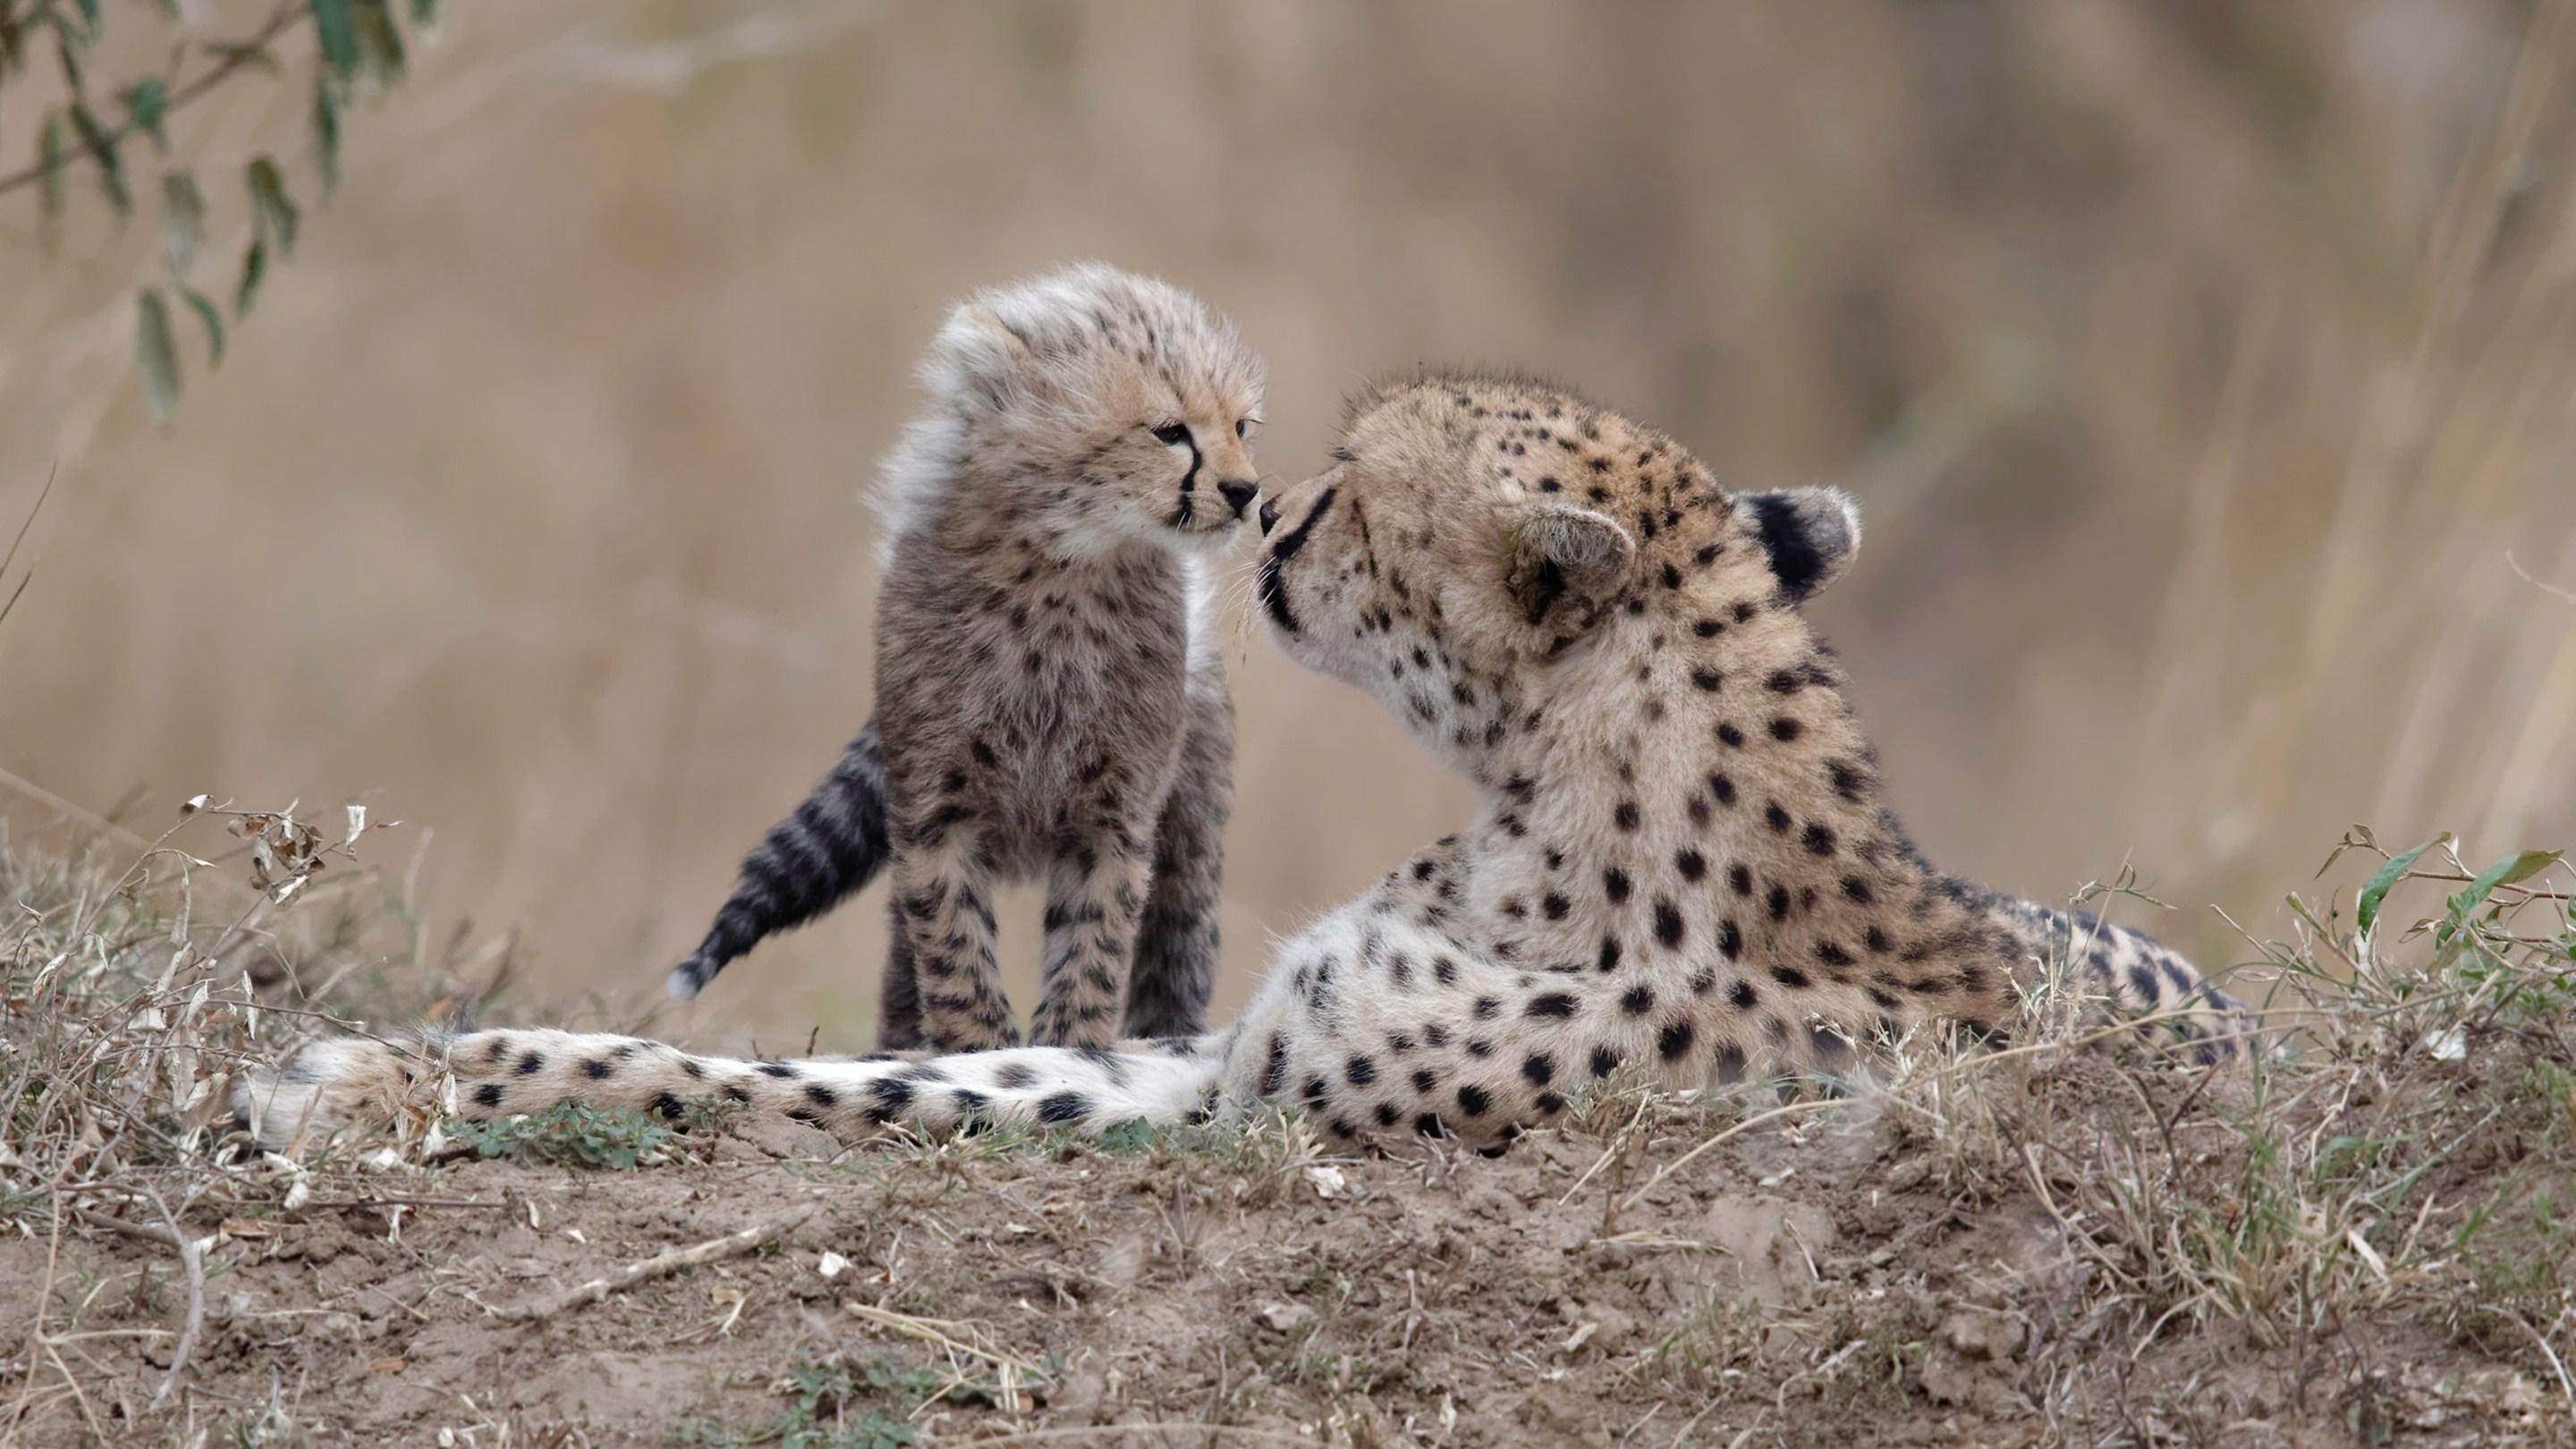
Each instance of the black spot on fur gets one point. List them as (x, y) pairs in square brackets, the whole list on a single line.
[(1539, 1067), (1063, 1107), (1668, 925), (893, 1095), (596, 1069), (1674, 1041), (1474, 1100), (1554, 1004), (488, 1095)]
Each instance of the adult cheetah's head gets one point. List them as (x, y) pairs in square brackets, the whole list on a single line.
[(1119, 407), (1477, 536)]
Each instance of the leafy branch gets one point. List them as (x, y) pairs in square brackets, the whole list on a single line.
[(359, 52)]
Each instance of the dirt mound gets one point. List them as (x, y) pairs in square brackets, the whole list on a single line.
[(1819, 1278)]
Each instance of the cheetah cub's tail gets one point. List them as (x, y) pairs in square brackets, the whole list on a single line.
[(341, 1083), (832, 844)]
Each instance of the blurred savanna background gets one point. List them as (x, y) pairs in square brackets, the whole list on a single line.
[(2206, 372)]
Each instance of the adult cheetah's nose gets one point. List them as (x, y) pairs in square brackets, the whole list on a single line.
[(1239, 492), (1269, 515)]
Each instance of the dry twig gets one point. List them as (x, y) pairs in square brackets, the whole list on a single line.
[(660, 1265)]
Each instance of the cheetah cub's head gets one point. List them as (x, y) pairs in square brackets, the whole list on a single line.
[(1483, 545), (1116, 407)]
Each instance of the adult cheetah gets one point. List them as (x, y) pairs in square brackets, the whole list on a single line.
[(1679, 858)]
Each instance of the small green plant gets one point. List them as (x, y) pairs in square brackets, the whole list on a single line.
[(830, 1406), (570, 1134)]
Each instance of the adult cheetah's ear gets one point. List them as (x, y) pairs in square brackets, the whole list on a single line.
[(1567, 564), (1810, 533)]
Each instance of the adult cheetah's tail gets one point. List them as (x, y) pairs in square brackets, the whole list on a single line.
[(339, 1083), (832, 844), (2139, 978)]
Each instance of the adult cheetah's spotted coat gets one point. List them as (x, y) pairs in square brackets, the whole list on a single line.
[(1680, 859)]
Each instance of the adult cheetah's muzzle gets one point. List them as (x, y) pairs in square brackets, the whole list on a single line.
[(1273, 597)]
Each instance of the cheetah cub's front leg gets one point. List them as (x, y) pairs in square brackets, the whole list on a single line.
[(1091, 913), (944, 907)]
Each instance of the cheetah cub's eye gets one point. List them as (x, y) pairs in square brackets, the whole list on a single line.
[(1242, 427), (1172, 435)]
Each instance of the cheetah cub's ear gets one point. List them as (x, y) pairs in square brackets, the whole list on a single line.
[(1810, 533), (975, 357), (1567, 565)]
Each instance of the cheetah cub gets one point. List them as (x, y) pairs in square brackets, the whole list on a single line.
[(1049, 702)]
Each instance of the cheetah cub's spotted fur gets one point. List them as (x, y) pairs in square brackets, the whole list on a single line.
[(1048, 702), (1680, 859)]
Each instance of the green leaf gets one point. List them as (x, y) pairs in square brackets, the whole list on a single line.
[(2366, 910), (380, 44), (326, 134), (146, 100), (102, 148), (254, 268), (2504, 872), (206, 311), (53, 154), (424, 14), (183, 222), (156, 357), (67, 47), (271, 208), (89, 14), (336, 31)]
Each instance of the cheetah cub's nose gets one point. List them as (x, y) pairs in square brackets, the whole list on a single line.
[(1269, 515), (1238, 492)]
